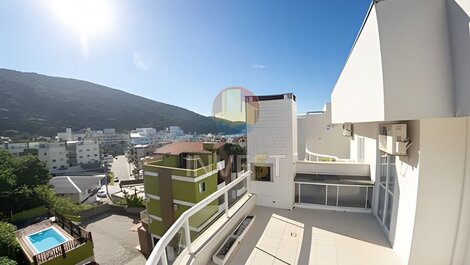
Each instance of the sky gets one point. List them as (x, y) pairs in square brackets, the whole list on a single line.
[(184, 52)]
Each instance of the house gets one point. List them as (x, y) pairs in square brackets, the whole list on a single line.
[(80, 189)]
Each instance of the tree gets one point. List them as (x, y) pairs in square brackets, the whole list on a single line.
[(16, 172), (9, 247), (7, 261)]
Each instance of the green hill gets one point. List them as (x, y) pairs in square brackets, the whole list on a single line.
[(44, 105)]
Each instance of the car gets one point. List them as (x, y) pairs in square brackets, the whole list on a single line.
[(116, 179), (101, 193)]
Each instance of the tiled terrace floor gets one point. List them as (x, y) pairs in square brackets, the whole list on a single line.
[(329, 237)]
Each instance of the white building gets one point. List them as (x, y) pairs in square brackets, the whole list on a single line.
[(143, 136), (76, 155), (410, 66), (319, 137), (80, 189), (272, 150), (54, 155)]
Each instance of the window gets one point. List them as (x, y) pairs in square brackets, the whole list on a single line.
[(388, 173), (87, 155), (54, 167), (262, 172), (80, 157), (96, 155), (202, 187), (53, 160)]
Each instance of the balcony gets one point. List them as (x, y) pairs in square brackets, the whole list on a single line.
[(317, 237)]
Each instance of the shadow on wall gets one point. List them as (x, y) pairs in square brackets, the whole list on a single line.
[(459, 21)]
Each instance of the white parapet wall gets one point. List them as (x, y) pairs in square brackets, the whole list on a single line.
[(333, 168)]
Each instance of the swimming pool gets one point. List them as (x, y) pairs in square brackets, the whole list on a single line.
[(46, 239)]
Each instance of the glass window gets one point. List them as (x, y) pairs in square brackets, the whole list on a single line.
[(380, 210), (388, 214), (262, 173), (351, 196), (202, 187), (331, 197), (310, 193)]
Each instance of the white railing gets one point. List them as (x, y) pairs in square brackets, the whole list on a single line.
[(333, 195), (336, 168), (159, 253)]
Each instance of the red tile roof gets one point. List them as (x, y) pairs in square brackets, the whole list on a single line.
[(177, 148)]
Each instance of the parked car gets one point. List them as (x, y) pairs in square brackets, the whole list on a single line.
[(116, 179), (102, 192)]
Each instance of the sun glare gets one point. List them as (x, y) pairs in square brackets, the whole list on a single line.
[(86, 17)]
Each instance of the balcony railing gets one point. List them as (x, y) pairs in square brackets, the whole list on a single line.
[(352, 197), (336, 168), (178, 238)]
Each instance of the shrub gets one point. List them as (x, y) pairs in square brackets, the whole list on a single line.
[(134, 200)]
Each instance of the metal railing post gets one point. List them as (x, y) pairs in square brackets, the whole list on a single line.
[(164, 258), (226, 203), (187, 235)]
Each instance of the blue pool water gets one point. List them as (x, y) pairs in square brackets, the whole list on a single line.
[(46, 239)]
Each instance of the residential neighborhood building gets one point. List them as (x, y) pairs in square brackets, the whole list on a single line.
[(20, 149), (70, 155), (179, 176), (80, 189), (143, 136)]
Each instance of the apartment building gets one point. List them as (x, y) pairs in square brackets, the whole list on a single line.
[(143, 136), (180, 175), (77, 155)]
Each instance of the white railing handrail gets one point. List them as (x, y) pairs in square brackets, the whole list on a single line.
[(308, 152), (159, 250)]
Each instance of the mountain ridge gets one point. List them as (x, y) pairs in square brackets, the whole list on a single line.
[(43, 105)]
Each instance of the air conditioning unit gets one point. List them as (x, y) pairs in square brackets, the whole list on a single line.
[(393, 139)]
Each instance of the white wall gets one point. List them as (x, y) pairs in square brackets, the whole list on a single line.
[(319, 135), (274, 134), (443, 149), (416, 60), (402, 56), (404, 204), (358, 94), (88, 152), (405, 195), (458, 18)]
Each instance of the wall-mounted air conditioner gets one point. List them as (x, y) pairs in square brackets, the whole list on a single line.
[(393, 139)]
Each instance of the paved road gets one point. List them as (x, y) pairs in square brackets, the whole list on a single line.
[(120, 167), (115, 239)]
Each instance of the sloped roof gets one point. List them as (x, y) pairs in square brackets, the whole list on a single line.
[(74, 184), (177, 148)]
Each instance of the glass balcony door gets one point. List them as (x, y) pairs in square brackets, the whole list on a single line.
[(387, 180)]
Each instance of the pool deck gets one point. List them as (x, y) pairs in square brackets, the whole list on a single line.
[(22, 234)]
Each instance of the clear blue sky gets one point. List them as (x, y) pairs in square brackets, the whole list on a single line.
[(184, 52)]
